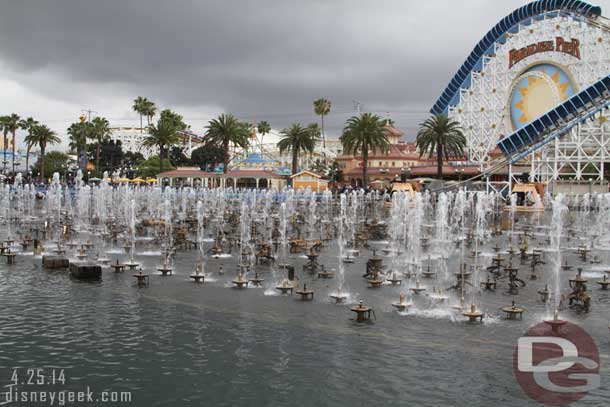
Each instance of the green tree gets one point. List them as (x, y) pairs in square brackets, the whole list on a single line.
[(321, 107), (174, 119), (28, 125), (163, 135), (177, 157), (297, 139), (362, 134), (150, 167), (54, 161), (263, 128), (208, 156), (150, 109), (140, 106), (132, 159), (100, 131), (4, 126), (226, 130), (334, 173), (111, 155), (319, 166), (43, 136), (442, 136), (78, 133)]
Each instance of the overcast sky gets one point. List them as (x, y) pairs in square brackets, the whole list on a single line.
[(257, 59)]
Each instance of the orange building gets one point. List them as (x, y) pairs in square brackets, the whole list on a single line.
[(401, 158), (381, 166), (309, 179)]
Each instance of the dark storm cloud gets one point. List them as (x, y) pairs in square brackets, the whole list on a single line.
[(263, 59)]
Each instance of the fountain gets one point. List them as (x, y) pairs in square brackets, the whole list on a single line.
[(256, 281), (131, 264), (604, 283), (402, 304), (417, 289), (304, 293), (240, 281), (339, 296), (513, 312), (285, 287), (363, 313), (473, 314), (559, 212), (199, 274)]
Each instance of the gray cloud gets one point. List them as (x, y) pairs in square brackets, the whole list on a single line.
[(260, 59)]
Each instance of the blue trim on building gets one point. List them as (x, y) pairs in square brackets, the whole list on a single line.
[(510, 24)]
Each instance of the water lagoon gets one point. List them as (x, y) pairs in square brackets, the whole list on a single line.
[(174, 341)]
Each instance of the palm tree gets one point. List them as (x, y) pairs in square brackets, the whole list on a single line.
[(100, 131), (263, 128), (43, 136), (150, 109), (162, 135), (297, 139), (442, 136), (140, 105), (4, 126), (28, 125), (78, 132), (227, 130), (321, 107), (13, 124), (361, 134)]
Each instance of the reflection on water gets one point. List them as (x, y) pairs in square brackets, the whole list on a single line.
[(179, 343)]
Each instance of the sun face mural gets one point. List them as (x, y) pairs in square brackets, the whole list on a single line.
[(537, 90)]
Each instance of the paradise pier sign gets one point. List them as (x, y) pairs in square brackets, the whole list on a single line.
[(571, 47)]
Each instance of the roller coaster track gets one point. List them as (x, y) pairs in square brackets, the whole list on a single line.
[(557, 121), (550, 125)]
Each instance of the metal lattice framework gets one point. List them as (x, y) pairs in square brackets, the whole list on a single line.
[(481, 104)]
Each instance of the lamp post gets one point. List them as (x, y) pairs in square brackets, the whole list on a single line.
[(83, 119), (590, 185), (459, 172), (404, 173)]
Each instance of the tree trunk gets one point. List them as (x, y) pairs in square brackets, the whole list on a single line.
[(365, 164), (225, 161), (160, 159), (27, 159), (42, 178), (295, 161), (13, 153), (97, 158), (439, 161), (323, 133), (141, 125), (4, 148), (85, 150)]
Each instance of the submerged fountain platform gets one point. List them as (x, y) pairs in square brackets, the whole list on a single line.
[(85, 271), (473, 314), (402, 305), (363, 313), (513, 312)]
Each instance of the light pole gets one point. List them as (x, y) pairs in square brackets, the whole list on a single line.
[(459, 172)]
